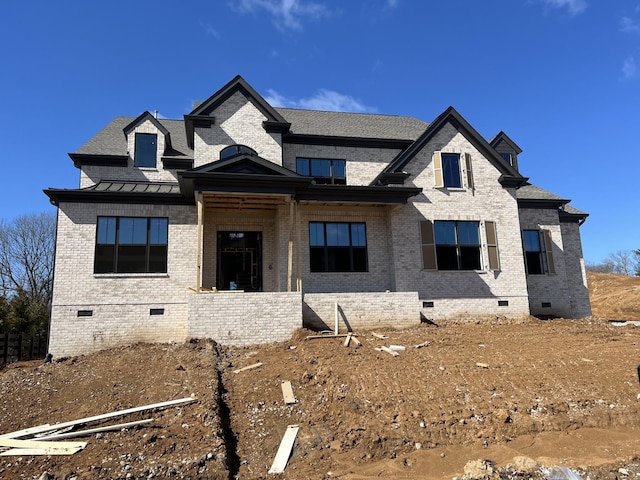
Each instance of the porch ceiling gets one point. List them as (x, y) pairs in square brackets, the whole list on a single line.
[(243, 201)]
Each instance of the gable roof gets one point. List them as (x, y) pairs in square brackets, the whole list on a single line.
[(202, 113), (503, 137), (510, 177)]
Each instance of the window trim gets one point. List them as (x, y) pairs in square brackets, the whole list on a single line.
[(240, 149), (333, 179), (327, 249), (112, 241)]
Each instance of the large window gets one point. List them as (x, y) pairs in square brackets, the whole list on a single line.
[(338, 247), (146, 150), (325, 171), (538, 252), (131, 245), (457, 245)]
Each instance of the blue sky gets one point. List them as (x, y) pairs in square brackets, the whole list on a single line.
[(560, 77)]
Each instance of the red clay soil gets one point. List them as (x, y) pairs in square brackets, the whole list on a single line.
[(495, 399)]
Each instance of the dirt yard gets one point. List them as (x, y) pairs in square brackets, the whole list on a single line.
[(492, 399)]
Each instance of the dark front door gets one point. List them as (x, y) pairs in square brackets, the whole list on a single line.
[(239, 261)]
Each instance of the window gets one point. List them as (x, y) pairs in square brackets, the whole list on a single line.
[(146, 148), (452, 170), (325, 171), (507, 157), (131, 245), (235, 150), (538, 252), (337, 247), (450, 245)]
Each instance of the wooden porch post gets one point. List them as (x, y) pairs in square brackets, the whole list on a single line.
[(200, 235), (298, 252), (290, 251)]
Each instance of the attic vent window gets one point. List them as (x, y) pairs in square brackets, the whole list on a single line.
[(236, 150), (507, 158)]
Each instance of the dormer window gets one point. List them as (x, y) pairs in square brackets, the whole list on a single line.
[(146, 150), (236, 150), (508, 157)]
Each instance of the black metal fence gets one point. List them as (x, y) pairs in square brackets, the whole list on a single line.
[(18, 346)]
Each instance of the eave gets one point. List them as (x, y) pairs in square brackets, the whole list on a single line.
[(57, 196), (89, 159), (362, 142)]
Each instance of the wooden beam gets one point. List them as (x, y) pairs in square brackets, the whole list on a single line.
[(298, 248), (16, 452), (284, 451), (249, 367), (290, 250), (91, 431), (200, 238), (287, 393), (104, 416), (50, 448)]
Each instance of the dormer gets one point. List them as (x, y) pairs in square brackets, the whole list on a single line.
[(147, 141), (507, 148)]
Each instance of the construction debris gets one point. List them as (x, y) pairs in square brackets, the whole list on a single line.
[(284, 451), (379, 335), (44, 436), (482, 365), (423, 344), (249, 367), (388, 350), (287, 393), (397, 348)]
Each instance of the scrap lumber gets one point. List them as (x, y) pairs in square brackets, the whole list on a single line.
[(287, 393), (347, 340), (39, 451), (482, 365), (331, 335), (91, 431), (356, 341), (397, 348), (423, 344), (80, 421), (388, 350), (380, 336), (284, 451), (48, 448), (249, 367)]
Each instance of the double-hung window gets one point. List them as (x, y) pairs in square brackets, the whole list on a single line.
[(131, 245), (146, 150), (452, 170), (337, 247), (324, 171), (538, 252)]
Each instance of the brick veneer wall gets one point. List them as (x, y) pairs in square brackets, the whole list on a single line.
[(456, 293), (236, 318), (120, 304), (361, 310)]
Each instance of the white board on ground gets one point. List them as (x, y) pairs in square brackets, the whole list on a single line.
[(284, 451)]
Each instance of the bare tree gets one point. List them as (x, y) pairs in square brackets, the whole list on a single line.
[(606, 266), (26, 260), (625, 262)]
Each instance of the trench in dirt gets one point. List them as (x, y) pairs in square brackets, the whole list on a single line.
[(229, 437)]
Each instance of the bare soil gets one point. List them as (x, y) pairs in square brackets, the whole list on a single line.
[(495, 398)]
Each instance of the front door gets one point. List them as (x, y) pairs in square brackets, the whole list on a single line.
[(239, 261)]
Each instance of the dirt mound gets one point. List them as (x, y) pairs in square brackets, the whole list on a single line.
[(616, 297), (491, 399)]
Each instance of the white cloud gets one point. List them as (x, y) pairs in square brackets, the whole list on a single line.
[(392, 3), (628, 25), (209, 30), (574, 6), (629, 68), (286, 14), (323, 99)]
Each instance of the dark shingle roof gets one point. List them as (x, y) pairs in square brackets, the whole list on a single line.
[(358, 125), (111, 140), (533, 192)]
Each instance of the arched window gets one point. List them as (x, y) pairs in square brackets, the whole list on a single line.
[(233, 150)]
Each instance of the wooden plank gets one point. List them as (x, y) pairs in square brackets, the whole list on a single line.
[(249, 367), (397, 348), (340, 335), (378, 335), (200, 234), (287, 393), (104, 416), (290, 249), (356, 341), (284, 451), (388, 350), (38, 451), (91, 431), (347, 340), (41, 444), (423, 344)]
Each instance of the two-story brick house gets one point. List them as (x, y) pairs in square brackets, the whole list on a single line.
[(242, 221)]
